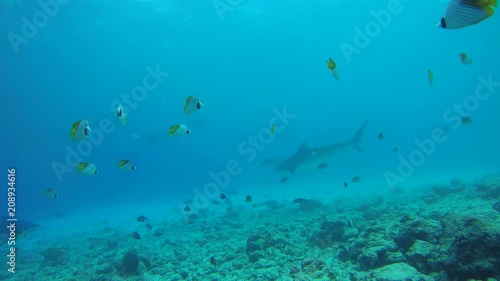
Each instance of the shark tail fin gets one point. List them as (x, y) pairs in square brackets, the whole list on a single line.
[(357, 137)]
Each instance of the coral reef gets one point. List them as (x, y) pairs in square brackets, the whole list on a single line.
[(435, 232)]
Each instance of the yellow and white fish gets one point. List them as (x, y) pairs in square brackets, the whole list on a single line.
[(126, 165), (464, 58), (120, 114), (430, 77), (51, 193), (87, 168), (178, 130), (192, 104), (80, 130), (332, 66), (463, 13)]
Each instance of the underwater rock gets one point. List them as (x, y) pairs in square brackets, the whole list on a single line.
[(184, 274), (100, 278), (496, 206), (489, 186), (405, 218), (257, 242), (457, 184), (422, 229), (370, 258), (444, 190), (112, 244), (419, 256), (430, 198), (273, 205), (311, 266), (420, 249), (180, 255), (351, 233), (279, 243), (232, 215), (363, 208), (474, 250), (396, 272), (374, 240), (294, 270), (372, 214), (328, 233), (54, 256), (104, 269), (394, 257), (310, 205)]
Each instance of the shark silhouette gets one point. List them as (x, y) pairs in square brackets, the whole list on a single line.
[(306, 155), (21, 225)]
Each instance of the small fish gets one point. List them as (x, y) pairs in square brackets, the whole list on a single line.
[(332, 66), (215, 202), (213, 261), (430, 77), (141, 218), (273, 128), (223, 196), (381, 136), (51, 193), (87, 168), (80, 130), (322, 166), (178, 130), (395, 149), (299, 200), (356, 179), (248, 199), (136, 235), (466, 120), (464, 58), (126, 165), (284, 179), (261, 215), (463, 13), (192, 104), (187, 208), (149, 226), (345, 184), (135, 135), (120, 114)]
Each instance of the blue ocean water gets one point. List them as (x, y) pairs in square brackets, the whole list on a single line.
[(246, 60)]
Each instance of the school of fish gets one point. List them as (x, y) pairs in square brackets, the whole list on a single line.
[(458, 14)]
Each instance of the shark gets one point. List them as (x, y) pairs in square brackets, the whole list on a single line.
[(21, 226), (305, 155)]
